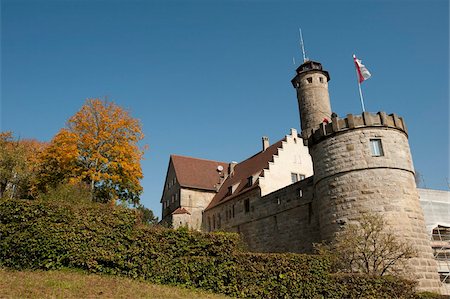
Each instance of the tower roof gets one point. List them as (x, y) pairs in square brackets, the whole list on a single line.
[(308, 66)]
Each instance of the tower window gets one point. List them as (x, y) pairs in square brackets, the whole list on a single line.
[(321, 79), (376, 148), (309, 79)]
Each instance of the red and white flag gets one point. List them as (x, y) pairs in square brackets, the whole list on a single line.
[(361, 70)]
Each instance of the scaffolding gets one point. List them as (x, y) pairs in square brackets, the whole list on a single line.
[(436, 208), (440, 242)]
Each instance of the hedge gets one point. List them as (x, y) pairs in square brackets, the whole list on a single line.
[(104, 239)]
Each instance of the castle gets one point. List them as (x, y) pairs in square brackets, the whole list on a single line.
[(306, 187)]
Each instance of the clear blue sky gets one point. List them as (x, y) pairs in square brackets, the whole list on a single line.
[(209, 78)]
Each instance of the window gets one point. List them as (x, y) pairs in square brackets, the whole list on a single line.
[(295, 177), (321, 79), (249, 181), (230, 190), (309, 79), (232, 211), (376, 148), (300, 193), (247, 205)]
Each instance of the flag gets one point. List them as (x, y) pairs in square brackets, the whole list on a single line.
[(361, 70)]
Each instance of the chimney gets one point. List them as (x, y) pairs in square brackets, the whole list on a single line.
[(231, 167), (265, 143)]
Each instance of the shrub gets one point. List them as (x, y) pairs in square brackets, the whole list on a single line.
[(105, 239)]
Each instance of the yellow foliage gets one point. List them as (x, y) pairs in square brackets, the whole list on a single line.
[(99, 146)]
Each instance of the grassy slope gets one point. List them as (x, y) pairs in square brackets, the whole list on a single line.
[(70, 284)]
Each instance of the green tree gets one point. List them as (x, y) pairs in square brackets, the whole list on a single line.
[(147, 215)]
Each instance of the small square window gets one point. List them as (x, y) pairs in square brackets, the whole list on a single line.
[(309, 79), (301, 177), (321, 79), (294, 177), (376, 148)]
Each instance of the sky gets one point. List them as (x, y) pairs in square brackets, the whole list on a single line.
[(208, 79)]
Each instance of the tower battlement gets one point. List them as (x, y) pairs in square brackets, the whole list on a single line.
[(366, 119)]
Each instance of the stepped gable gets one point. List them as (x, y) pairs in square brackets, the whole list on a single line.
[(197, 173), (254, 165)]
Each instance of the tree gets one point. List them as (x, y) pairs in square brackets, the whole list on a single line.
[(368, 247), (147, 215), (18, 166), (98, 146)]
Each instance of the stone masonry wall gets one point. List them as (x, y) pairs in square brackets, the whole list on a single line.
[(283, 221), (313, 100), (350, 181), (195, 201)]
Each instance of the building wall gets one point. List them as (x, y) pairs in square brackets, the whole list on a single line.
[(195, 201), (293, 157), (170, 199), (282, 221), (349, 181)]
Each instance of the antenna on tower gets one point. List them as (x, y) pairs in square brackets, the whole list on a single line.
[(302, 44)]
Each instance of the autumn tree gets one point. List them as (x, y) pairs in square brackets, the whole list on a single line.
[(99, 147), (368, 247), (19, 164)]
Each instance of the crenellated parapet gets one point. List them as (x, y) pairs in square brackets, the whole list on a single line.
[(366, 119)]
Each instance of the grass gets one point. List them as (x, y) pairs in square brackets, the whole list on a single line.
[(75, 284)]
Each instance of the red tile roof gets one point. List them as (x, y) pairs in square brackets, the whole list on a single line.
[(242, 171), (181, 211), (198, 173)]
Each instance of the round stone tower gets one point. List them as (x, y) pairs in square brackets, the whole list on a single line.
[(311, 83), (362, 164)]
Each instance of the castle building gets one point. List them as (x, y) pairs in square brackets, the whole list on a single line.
[(305, 188)]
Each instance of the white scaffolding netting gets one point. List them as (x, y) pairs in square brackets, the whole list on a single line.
[(436, 208)]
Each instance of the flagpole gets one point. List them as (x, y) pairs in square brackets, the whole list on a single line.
[(361, 97)]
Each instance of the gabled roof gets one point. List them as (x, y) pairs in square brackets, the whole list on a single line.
[(242, 171), (181, 211), (198, 173)]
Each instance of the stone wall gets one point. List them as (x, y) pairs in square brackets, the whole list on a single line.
[(283, 221), (349, 181), (195, 201)]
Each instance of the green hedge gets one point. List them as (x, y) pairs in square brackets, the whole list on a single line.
[(103, 239)]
